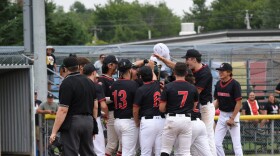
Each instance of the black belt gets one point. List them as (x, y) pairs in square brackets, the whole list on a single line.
[(174, 114), (123, 118), (151, 117)]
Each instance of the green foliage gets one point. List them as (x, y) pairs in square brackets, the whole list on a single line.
[(11, 21), (226, 14), (122, 21)]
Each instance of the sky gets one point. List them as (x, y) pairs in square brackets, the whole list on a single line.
[(178, 6)]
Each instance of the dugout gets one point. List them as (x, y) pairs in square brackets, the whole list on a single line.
[(16, 110)]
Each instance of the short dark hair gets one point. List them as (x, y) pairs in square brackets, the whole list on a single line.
[(198, 59), (82, 61), (73, 69), (180, 69), (146, 73)]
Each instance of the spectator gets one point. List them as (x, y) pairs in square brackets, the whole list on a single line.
[(250, 106), (37, 128), (271, 107), (51, 64), (277, 89), (48, 107), (98, 64)]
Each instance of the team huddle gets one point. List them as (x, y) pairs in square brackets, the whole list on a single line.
[(142, 112)]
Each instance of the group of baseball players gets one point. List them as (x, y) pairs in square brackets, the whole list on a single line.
[(164, 117)]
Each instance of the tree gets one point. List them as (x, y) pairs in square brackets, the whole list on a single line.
[(78, 7), (11, 25), (225, 14), (122, 21)]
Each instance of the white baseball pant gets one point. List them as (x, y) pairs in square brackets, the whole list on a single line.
[(99, 140), (221, 130), (207, 116), (199, 144), (178, 128), (112, 138), (127, 133), (150, 135)]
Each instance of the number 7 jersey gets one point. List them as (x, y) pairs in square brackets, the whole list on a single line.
[(123, 92), (179, 97)]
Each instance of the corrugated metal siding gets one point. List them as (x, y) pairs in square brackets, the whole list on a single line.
[(15, 107)]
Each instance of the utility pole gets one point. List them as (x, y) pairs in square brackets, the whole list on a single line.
[(95, 29), (39, 36), (27, 26), (247, 19)]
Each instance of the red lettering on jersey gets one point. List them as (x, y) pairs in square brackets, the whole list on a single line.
[(223, 94), (122, 95), (184, 99), (156, 99)]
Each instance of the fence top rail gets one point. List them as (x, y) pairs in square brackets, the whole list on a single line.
[(256, 117)]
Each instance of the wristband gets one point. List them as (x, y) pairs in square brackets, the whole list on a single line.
[(146, 61)]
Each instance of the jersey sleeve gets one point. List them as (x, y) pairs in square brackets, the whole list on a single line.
[(138, 97), (99, 93), (237, 91), (215, 91), (65, 94), (196, 96), (163, 96), (203, 80)]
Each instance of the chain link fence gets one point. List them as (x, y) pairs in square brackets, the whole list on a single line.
[(257, 140)]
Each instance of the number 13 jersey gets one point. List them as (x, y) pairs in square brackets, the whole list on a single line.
[(122, 95)]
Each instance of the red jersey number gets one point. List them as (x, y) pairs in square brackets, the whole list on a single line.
[(122, 95), (184, 99), (156, 99)]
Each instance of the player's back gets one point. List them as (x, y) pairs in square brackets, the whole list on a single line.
[(180, 97), (122, 94), (149, 95)]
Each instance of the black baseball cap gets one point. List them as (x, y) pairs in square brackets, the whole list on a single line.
[(88, 69), (192, 53), (50, 95), (110, 59), (225, 67), (124, 65), (70, 62)]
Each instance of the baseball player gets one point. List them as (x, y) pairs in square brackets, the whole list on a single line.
[(122, 93), (177, 100), (203, 83), (200, 146), (146, 101), (228, 99), (109, 68), (99, 141)]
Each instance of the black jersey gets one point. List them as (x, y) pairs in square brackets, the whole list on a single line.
[(227, 93), (106, 83), (272, 108), (204, 80), (179, 96), (78, 93), (100, 96), (122, 95), (147, 97)]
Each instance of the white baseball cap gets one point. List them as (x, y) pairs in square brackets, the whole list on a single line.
[(49, 47)]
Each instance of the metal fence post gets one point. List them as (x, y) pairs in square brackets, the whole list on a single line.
[(272, 137)]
